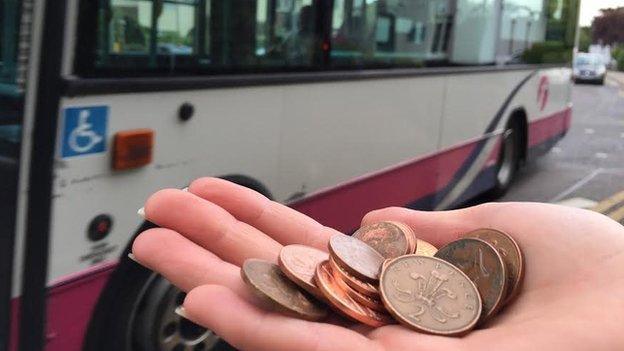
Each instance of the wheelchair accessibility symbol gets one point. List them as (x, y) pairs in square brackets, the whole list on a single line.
[(84, 130)]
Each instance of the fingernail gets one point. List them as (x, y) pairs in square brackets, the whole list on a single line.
[(131, 256), (180, 311), (185, 189), (141, 212)]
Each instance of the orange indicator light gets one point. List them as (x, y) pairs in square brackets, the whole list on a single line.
[(133, 148)]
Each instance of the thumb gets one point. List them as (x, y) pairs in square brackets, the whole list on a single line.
[(438, 228)]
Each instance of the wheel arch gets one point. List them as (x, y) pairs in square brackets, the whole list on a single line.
[(518, 119)]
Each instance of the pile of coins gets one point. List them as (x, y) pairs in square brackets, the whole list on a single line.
[(384, 273)]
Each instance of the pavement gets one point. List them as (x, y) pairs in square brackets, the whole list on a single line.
[(586, 168)]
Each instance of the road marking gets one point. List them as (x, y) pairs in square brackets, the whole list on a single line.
[(621, 93), (576, 186), (578, 202), (612, 83), (589, 131), (622, 135), (604, 205), (601, 155), (617, 215), (557, 149)]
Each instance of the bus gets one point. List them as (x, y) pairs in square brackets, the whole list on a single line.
[(334, 107)]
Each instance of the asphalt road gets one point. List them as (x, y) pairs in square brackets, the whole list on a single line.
[(586, 168)]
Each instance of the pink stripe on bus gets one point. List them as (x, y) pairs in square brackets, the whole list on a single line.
[(70, 307), (550, 126), (344, 206)]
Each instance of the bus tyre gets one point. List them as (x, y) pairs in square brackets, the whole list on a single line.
[(137, 314), (158, 327), (508, 160)]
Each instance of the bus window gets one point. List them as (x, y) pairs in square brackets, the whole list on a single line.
[(10, 91), (190, 36), (538, 31), (9, 24), (162, 37), (285, 32), (390, 33), (143, 32), (176, 28), (129, 27)]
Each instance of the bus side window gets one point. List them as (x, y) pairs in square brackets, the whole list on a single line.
[(213, 36), (384, 33)]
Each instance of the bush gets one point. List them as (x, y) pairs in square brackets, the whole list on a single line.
[(548, 52), (618, 55)]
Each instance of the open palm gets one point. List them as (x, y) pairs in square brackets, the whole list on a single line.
[(572, 297)]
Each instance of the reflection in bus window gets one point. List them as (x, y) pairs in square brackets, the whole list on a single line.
[(285, 32), (176, 28), (9, 25), (253, 36), (210, 35), (378, 33), (130, 26)]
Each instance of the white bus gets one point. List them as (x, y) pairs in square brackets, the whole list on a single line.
[(333, 107)]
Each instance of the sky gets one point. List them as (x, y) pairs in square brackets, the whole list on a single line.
[(590, 8)]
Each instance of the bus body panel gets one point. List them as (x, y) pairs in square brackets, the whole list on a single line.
[(263, 133), (358, 129), (258, 132)]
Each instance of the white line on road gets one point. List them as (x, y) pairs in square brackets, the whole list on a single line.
[(578, 202), (601, 155), (622, 135), (576, 186), (589, 131)]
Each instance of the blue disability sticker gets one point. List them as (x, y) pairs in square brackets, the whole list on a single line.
[(84, 130)]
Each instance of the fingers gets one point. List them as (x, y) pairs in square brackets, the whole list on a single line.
[(282, 223), (437, 228), (210, 226), (184, 263), (251, 328)]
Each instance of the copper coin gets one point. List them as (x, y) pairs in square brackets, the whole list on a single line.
[(430, 295), (483, 265), (270, 284), (424, 248), (343, 303), (511, 254), (358, 285), (385, 263), (370, 302), (298, 263), (356, 257), (387, 238), (411, 236)]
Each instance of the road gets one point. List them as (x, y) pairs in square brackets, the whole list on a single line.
[(586, 168)]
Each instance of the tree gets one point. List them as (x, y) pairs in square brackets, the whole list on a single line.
[(608, 27), (585, 39)]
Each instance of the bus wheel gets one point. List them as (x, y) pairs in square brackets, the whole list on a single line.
[(155, 325), (508, 161), (136, 313)]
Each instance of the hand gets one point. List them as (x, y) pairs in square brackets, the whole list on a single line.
[(572, 296)]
